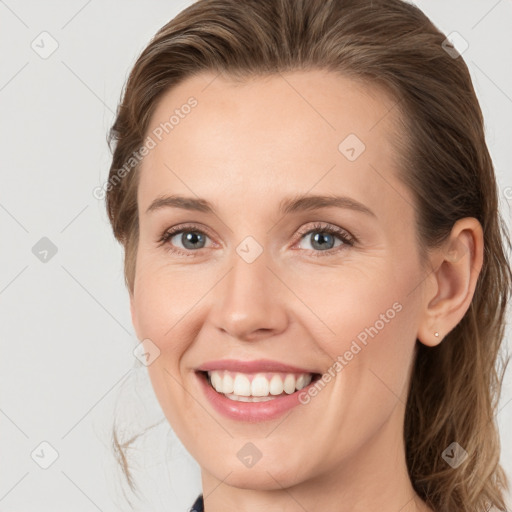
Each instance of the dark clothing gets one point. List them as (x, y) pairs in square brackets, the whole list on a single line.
[(198, 505)]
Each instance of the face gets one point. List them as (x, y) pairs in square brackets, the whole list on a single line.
[(330, 289)]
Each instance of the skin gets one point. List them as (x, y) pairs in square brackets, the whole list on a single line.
[(245, 147)]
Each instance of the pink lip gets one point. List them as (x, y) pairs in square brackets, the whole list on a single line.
[(250, 411), (260, 365)]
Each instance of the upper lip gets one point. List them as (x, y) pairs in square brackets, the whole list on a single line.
[(259, 365)]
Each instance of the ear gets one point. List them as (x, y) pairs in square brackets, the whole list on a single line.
[(452, 282)]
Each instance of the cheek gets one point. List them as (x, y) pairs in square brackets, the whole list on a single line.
[(161, 309), (379, 330), (359, 300), (370, 381), (165, 298), (163, 305), (371, 320)]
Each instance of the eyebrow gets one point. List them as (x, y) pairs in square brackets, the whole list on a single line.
[(286, 206)]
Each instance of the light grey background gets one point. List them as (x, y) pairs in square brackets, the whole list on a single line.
[(66, 366)]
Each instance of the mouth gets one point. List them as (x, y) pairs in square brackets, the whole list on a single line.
[(256, 387)]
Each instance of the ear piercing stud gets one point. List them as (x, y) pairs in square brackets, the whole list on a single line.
[(436, 334)]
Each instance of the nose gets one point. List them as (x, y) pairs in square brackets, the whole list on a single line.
[(250, 302)]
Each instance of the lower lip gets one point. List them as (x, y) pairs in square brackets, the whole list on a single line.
[(250, 411)]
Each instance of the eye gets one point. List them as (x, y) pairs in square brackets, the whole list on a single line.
[(324, 239), (190, 238)]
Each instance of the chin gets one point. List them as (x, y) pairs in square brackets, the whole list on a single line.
[(260, 479)]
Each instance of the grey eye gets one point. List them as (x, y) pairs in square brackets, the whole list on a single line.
[(191, 240)]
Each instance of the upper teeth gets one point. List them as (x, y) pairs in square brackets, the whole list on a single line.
[(259, 384)]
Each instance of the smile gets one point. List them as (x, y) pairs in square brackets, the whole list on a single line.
[(254, 396), (256, 387)]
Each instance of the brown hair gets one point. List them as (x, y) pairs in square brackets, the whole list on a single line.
[(444, 160)]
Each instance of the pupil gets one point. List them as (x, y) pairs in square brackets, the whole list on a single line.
[(191, 238), (321, 239)]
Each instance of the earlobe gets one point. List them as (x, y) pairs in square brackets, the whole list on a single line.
[(453, 281), (430, 338)]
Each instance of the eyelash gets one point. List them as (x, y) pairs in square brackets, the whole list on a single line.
[(347, 239)]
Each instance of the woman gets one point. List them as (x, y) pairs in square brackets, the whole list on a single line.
[(315, 256)]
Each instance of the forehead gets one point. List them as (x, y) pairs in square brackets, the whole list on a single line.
[(244, 144)]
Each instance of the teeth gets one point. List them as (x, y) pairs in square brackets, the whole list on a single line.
[(260, 386), (237, 398), (241, 387), (257, 387), (289, 384), (276, 385), (301, 382), (227, 384)]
